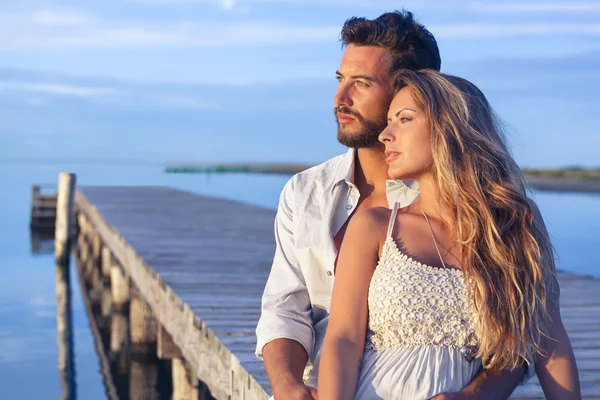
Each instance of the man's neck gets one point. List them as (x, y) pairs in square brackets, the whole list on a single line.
[(370, 171)]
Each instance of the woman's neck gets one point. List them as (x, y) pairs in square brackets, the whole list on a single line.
[(429, 200)]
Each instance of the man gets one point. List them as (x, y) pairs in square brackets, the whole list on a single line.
[(316, 205)]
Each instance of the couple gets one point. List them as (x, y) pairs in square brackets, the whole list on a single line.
[(444, 288)]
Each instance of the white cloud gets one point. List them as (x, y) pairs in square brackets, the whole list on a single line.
[(57, 89), (528, 7), (30, 33), (225, 4), (59, 18), (53, 30), (476, 31)]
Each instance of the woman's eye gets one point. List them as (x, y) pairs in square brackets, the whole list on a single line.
[(404, 119)]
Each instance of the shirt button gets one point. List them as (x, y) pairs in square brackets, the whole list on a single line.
[(329, 273), (349, 207)]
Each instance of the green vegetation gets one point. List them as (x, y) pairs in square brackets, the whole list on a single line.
[(571, 173), (190, 168)]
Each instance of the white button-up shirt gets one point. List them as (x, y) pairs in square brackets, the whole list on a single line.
[(313, 207)]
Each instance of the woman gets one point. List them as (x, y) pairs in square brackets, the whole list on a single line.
[(426, 295)]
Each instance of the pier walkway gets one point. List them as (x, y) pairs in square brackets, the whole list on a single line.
[(199, 265)]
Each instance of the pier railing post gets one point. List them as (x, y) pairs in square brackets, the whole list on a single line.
[(64, 216), (119, 286), (143, 331), (64, 319)]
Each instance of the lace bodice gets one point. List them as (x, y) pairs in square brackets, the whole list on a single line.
[(412, 304)]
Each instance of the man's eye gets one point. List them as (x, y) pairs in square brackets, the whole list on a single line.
[(338, 78), (361, 83)]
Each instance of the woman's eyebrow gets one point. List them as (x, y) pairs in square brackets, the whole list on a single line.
[(398, 113)]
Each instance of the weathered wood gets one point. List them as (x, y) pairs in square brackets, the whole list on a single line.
[(143, 379), (43, 210), (143, 326), (106, 302), (166, 349), (207, 355), (119, 330), (64, 215), (185, 385), (64, 327), (201, 265), (119, 286), (106, 263)]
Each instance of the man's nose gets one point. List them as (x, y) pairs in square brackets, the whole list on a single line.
[(342, 96)]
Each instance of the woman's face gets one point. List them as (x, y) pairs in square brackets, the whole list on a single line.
[(407, 138)]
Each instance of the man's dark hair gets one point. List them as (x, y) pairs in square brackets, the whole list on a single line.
[(411, 45)]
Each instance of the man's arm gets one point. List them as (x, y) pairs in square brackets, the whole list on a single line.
[(284, 332), (285, 360)]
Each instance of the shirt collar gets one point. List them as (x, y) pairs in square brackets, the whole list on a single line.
[(402, 192), (398, 191), (345, 169)]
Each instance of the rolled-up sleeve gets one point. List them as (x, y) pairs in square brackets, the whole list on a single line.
[(286, 309)]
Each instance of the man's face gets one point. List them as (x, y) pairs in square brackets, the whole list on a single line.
[(363, 95)]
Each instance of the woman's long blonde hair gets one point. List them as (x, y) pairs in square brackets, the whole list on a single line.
[(507, 258)]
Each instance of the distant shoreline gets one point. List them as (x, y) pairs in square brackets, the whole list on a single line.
[(563, 185), (574, 179), (556, 180)]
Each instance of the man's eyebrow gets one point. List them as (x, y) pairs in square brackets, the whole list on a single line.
[(365, 77), (398, 113)]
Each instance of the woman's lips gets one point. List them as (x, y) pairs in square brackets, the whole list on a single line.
[(390, 155)]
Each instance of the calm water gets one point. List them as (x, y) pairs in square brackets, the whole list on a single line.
[(28, 346)]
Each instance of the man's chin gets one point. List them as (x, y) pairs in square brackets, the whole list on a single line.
[(359, 144)]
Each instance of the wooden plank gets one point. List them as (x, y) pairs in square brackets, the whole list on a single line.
[(166, 349), (201, 263), (213, 362)]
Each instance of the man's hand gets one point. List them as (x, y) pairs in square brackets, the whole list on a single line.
[(296, 392), (284, 361)]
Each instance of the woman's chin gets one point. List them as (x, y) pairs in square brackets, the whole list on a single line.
[(398, 174)]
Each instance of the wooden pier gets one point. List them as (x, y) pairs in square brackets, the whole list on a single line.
[(186, 273), (43, 208)]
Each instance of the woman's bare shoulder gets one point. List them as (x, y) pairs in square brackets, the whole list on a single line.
[(369, 225)]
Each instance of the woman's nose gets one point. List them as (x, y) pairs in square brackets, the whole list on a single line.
[(385, 136)]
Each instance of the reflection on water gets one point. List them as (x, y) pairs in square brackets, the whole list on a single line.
[(129, 370), (64, 331), (42, 241), (127, 373)]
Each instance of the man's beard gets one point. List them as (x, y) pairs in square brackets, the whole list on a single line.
[(368, 134)]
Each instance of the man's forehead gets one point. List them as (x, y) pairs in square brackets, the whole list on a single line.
[(364, 60)]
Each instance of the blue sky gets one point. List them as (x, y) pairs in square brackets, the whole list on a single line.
[(225, 80)]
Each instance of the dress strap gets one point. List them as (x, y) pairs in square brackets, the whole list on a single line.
[(392, 220)]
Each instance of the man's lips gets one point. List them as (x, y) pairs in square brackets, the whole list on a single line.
[(391, 155), (344, 118)]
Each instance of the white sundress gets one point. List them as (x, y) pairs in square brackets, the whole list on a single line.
[(420, 318)]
